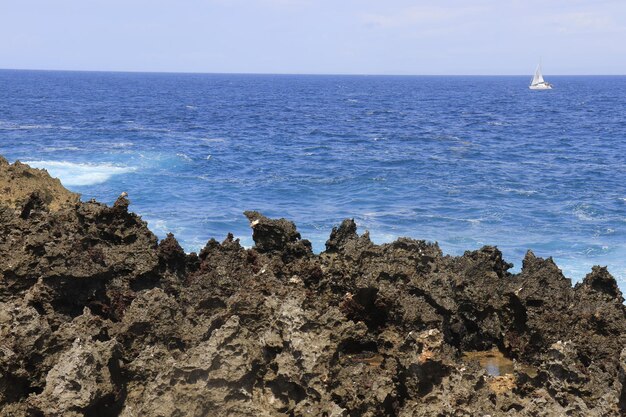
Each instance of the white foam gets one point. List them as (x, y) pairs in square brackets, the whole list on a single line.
[(73, 174), (122, 145), (583, 213), (184, 156), (61, 148), (519, 191)]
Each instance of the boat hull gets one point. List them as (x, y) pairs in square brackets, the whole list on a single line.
[(543, 86)]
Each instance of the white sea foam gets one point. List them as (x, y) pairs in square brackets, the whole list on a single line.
[(184, 156), (73, 174), (122, 145), (583, 212), (519, 191), (13, 126), (61, 148)]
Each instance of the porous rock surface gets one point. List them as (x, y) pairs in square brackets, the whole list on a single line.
[(99, 318)]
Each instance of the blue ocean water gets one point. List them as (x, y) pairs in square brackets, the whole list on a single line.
[(465, 161)]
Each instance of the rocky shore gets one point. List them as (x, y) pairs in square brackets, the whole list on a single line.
[(100, 318)]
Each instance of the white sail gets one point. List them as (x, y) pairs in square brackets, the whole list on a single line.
[(538, 83), (538, 78)]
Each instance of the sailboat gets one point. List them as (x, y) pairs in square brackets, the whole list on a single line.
[(538, 83)]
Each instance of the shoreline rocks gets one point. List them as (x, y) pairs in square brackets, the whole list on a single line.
[(99, 318)]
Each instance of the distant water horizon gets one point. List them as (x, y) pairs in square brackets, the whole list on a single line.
[(465, 161), (122, 71)]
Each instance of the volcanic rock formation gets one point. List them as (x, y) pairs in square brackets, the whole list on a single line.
[(99, 318)]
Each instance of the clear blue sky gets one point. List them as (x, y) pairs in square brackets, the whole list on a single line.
[(316, 36)]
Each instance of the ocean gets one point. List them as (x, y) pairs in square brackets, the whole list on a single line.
[(464, 161)]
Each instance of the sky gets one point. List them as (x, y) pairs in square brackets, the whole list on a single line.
[(457, 37)]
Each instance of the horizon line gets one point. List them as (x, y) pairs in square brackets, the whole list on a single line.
[(301, 73)]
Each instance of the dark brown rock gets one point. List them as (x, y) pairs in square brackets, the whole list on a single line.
[(98, 318)]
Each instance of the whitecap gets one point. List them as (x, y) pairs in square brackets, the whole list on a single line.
[(135, 127), (13, 126), (184, 156), (61, 148), (520, 191), (121, 145), (76, 174), (583, 212), (33, 127)]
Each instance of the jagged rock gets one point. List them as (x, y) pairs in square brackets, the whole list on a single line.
[(99, 318), (269, 234), (340, 235), (171, 253), (18, 182), (214, 378), (152, 318), (622, 380), (601, 281), (84, 380), (276, 235), (425, 363)]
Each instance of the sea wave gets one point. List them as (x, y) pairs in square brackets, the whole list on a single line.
[(184, 156), (31, 126), (519, 191), (60, 148), (76, 174), (122, 145), (584, 212)]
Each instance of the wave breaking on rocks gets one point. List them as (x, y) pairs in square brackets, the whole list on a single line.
[(100, 318)]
